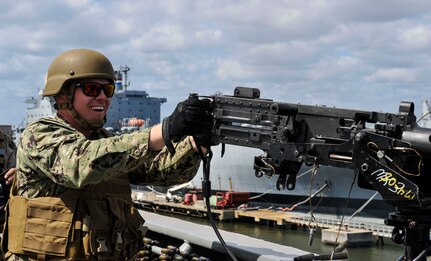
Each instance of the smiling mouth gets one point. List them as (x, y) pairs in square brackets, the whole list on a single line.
[(98, 108)]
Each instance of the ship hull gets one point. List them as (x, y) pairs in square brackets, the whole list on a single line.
[(234, 172)]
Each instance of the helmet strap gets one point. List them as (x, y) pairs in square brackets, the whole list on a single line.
[(68, 105)]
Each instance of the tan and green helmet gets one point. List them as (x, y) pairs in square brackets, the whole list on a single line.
[(76, 64)]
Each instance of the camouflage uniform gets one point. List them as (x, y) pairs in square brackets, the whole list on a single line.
[(53, 157), (7, 161)]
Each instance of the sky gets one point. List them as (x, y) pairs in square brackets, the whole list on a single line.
[(366, 55)]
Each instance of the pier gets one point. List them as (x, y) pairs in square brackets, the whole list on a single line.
[(359, 231)]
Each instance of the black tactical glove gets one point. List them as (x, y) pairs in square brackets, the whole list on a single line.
[(191, 117)]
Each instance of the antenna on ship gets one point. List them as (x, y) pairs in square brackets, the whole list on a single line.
[(120, 84), (124, 69)]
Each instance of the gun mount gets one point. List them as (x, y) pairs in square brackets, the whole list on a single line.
[(390, 151)]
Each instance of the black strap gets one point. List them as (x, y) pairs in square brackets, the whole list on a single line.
[(165, 136)]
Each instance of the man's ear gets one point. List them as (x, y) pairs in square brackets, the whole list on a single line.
[(61, 98), (60, 101)]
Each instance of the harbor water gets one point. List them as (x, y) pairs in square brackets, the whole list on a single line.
[(299, 238)]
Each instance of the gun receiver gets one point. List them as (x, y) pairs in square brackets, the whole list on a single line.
[(390, 151)]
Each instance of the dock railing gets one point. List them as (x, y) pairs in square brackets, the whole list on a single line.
[(327, 222)]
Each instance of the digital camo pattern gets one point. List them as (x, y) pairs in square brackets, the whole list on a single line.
[(7, 152), (52, 155)]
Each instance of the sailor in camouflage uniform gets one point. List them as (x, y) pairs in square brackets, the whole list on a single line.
[(71, 198)]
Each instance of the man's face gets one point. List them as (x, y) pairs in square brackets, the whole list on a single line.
[(91, 109)]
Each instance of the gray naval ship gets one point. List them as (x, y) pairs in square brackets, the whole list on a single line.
[(331, 191)]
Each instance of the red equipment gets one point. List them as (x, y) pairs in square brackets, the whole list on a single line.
[(232, 199)]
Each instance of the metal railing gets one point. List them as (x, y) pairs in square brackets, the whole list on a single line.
[(324, 222)]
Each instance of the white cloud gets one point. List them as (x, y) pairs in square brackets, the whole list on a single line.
[(278, 53), (208, 36), (170, 37), (393, 75), (78, 3), (418, 37), (160, 38), (232, 70), (335, 67), (305, 51)]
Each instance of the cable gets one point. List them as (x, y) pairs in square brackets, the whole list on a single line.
[(261, 195), (313, 219), (315, 168), (155, 191), (344, 210), (423, 116), (305, 200), (393, 162), (363, 206), (206, 191)]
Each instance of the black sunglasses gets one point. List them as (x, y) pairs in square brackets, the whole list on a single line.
[(93, 89)]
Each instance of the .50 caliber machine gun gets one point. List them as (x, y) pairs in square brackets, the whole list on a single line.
[(390, 151)]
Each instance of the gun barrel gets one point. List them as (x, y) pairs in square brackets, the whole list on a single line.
[(283, 109)]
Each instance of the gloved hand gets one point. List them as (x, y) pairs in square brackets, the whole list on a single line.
[(190, 118)]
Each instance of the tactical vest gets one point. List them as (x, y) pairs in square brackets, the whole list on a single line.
[(94, 223)]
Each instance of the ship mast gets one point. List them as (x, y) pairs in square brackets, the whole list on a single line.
[(124, 70)]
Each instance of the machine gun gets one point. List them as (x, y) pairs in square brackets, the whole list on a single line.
[(390, 151)]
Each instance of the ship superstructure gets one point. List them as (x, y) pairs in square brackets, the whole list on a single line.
[(39, 107), (130, 105)]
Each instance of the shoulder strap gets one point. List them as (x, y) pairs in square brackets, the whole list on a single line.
[(105, 133)]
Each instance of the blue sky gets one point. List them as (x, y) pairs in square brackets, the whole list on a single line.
[(349, 54)]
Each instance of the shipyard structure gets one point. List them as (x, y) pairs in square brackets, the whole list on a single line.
[(131, 109)]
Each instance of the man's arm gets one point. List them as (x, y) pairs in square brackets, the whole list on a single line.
[(167, 169), (155, 141)]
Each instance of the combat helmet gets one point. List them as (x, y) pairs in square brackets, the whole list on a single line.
[(76, 64)]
